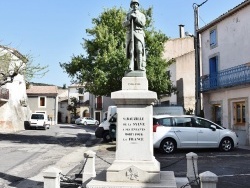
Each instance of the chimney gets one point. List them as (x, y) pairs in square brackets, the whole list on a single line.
[(181, 30)]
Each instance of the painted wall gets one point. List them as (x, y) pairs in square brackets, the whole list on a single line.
[(233, 34), (13, 113), (182, 71), (233, 42), (50, 109)]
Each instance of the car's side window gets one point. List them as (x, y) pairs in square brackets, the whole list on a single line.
[(167, 122), (202, 123), (183, 122)]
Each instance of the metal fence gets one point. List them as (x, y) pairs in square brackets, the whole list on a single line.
[(234, 76)]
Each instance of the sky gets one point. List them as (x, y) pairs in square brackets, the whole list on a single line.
[(52, 31)]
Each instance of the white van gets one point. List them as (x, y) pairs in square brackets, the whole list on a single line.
[(39, 120), (103, 130)]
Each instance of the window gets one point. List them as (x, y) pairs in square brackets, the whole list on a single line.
[(213, 38), (183, 122), (239, 113), (167, 122), (42, 101), (203, 123)]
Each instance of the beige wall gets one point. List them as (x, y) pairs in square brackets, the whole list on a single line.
[(182, 71)]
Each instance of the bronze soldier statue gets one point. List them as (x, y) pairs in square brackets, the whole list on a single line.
[(135, 43)]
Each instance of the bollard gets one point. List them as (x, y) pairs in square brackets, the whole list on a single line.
[(192, 169), (89, 169), (208, 180), (52, 178)]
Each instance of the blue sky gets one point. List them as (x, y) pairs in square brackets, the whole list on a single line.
[(51, 31)]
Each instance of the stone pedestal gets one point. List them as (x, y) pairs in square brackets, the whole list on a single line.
[(134, 164), (134, 160)]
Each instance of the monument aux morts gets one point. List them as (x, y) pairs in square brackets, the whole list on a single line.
[(134, 164)]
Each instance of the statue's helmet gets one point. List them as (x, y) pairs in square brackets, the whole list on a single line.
[(134, 1)]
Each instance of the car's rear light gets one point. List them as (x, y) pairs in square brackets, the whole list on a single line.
[(155, 127)]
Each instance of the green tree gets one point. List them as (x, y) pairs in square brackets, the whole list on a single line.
[(72, 107), (103, 68)]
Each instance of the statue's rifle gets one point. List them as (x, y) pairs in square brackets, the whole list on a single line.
[(132, 45)]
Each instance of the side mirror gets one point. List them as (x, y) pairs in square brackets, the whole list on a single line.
[(213, 127)]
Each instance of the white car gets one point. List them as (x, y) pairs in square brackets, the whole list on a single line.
[(86, 121), (39, 120), (185, 131)]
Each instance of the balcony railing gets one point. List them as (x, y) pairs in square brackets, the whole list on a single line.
[(231, 77), (4, 94), (81, 103)]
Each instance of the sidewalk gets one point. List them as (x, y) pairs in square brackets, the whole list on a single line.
[(105, 155)]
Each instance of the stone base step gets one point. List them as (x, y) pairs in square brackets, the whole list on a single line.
[(168, 180)]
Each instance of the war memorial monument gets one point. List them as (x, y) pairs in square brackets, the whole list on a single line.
[(134, 164)]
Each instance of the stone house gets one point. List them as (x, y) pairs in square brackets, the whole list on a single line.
[(182, 71), (14, 109), (225, 80), (44, 99), (89, 105)]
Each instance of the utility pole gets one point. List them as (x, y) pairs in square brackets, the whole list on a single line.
[(197, 58)]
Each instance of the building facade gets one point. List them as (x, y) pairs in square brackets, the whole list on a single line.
[(14, 110), (225, 77), (88, 105), (44, 99), (182, 71)]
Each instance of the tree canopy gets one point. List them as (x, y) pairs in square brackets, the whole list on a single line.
[(105, 62)]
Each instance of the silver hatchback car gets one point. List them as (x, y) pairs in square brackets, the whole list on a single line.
[(86, 121), (184, 131)]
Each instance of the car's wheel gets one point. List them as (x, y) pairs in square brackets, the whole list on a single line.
[(96, 123), (168, 146), (106, 137), (226, 144), (85, 123)]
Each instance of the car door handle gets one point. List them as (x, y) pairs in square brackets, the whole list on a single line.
[(178, 131)]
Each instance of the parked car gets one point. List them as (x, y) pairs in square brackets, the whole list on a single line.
[(86, 121), (172, 132), (39, 120), (73, 118)]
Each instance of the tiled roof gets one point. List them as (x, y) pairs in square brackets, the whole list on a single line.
[(42, 90)]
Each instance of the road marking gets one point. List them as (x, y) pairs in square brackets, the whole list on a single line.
[(221, 176)]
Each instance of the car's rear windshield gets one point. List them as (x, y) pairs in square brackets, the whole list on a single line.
[(37, 116)]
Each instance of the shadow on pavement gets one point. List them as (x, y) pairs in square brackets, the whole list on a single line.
[(77, 140), (15, 180)]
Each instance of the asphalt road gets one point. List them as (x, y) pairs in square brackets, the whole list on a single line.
[(24, 155)]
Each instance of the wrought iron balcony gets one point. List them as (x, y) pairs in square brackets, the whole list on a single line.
[(81, 103), (231, 77)]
